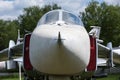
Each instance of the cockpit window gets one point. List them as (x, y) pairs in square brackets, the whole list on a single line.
[(70, 18), (60, 15), (49, 18)]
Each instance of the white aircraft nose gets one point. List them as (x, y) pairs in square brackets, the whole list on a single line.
[(59, 51)]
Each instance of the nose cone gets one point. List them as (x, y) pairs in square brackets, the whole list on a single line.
[(60, 51)]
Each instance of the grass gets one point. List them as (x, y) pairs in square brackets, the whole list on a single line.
[(111, 77), (16, 77), (10, 79)]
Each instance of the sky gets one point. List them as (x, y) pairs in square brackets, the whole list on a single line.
[(11, 9)]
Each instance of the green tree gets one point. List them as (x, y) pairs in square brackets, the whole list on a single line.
[(31, 15), (105, 16), (8, 31)]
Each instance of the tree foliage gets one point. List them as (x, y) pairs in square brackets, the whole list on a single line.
[(8, 31), (105, 16)]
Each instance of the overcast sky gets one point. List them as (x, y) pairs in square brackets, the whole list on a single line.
[(11, 9)]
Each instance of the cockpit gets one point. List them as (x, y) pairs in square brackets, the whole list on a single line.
[(59, 15)]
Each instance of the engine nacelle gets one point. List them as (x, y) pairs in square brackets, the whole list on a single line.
[(10, 64), (2, 65)]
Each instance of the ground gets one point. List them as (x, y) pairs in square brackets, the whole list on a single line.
[(16, 77)]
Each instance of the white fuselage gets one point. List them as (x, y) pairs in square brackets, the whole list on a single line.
[(71, 56)]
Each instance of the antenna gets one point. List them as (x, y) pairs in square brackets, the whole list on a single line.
[(19, 39)]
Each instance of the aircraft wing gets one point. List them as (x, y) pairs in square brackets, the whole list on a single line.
[(17, 50), (104, 52), (101, 62), (20, 59), (3, 54), (14, 52)]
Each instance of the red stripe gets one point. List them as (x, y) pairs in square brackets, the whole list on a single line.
[(27, 63), (92, 63)]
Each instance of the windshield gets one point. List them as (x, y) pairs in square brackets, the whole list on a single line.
[(70, 18), (49, 17), (60, 15)]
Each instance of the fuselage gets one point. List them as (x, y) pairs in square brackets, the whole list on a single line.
[(59, 47)]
